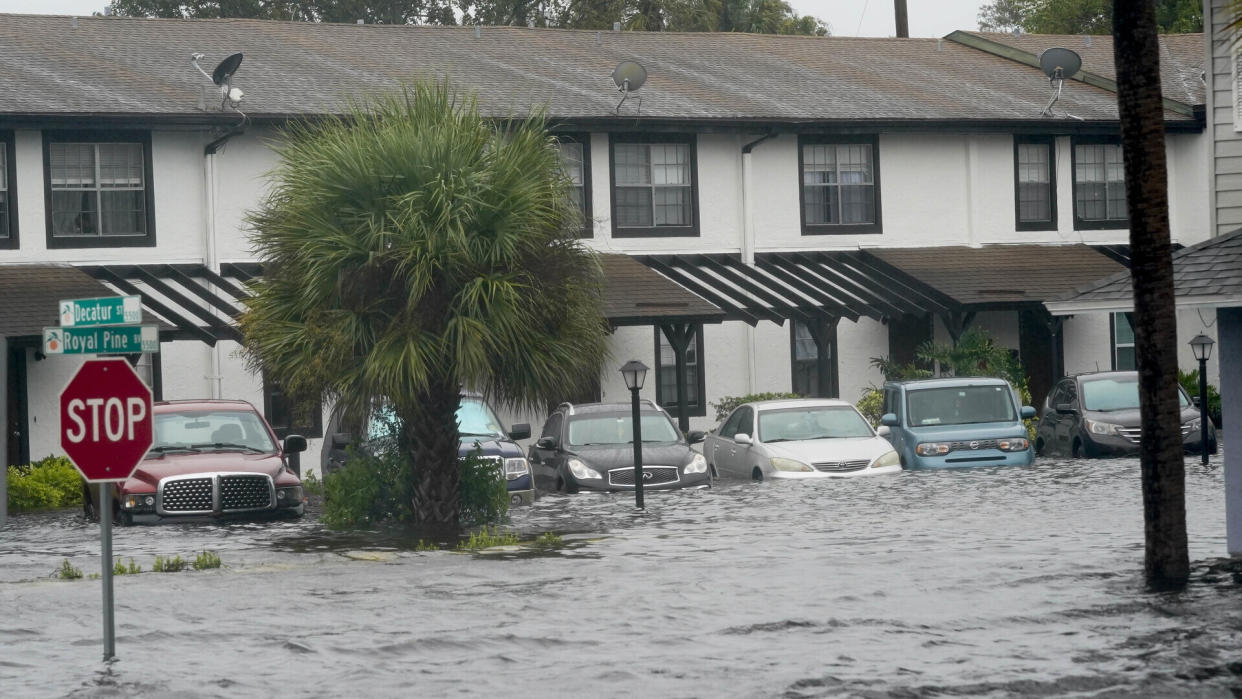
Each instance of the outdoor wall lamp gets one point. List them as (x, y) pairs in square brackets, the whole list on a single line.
[(1201, 345), (635, 373)]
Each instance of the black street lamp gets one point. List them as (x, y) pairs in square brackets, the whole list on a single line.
[(1201, 345), (635, 373)]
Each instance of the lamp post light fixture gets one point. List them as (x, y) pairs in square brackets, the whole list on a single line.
[(635, 373), (1201, 345)]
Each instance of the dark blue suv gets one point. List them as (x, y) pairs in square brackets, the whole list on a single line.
[(477, 424)]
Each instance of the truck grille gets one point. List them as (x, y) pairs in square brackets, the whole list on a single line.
[(214, 492), (652, 475), (841, 466)]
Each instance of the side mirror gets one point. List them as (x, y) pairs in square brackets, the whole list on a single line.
[(742, 438), (889, 419), (340, 440), (883, 430), (546, 443), (294, 443), (1027, 412), (1195, 401), (520, 431), (1065, 408), (694, 436)]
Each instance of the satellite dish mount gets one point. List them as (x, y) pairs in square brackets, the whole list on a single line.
[(629, 76), (1058, 64), (230, 97)]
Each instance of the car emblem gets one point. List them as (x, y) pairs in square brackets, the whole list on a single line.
[(646, 475), (974, 445)]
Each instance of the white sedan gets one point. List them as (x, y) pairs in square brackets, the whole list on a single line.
[(798, 438)]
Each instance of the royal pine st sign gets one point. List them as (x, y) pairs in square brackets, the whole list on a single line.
[(106, 425), (115, 339)]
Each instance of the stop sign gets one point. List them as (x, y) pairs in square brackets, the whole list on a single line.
[(105, 420)]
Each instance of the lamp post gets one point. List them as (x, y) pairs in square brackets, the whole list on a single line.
[(635, 372), (1201, 345)]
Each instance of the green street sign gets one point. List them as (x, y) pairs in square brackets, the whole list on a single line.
[(106, 310), (118, 339)]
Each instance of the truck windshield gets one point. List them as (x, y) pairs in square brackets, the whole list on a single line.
[(1116, 394), (202, 428), (474, 419), (960, 405)]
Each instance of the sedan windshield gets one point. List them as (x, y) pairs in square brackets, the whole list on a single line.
[(1116, 394), (960, 405), (796, 424), (619, 429), (211, 429)]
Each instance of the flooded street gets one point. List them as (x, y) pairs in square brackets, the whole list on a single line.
[(986, 582)]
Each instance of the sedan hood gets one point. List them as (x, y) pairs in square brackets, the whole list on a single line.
[(151, 470), (810, 451), (604, 458)]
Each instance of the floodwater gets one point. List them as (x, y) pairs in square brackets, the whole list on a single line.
[(986, 582)]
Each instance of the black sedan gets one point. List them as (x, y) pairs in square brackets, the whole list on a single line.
[(591, 447), (1097, 415)]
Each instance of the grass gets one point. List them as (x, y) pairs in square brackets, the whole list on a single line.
[(68, 572), (548, 540), (175, 564), (122, 569), (486, 538), (206, 560)]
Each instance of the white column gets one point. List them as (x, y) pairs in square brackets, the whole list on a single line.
[(1229, 344)]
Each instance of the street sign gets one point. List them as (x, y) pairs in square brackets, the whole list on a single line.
[(106, 310), (115, 339), (105, 420)]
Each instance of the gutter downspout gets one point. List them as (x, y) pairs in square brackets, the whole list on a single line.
[(748, 253), (210, 256)]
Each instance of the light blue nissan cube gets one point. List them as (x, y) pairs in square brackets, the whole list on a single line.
[(956, 422)]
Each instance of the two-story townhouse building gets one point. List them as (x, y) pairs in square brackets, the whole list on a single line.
[(776, 210)]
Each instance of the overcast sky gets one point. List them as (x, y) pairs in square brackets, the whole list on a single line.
[(847, 17)]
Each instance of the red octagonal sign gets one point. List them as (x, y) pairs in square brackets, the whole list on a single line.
[(105, 420)]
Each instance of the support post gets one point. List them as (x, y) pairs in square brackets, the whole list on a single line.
[(638, 449), (105, 538)]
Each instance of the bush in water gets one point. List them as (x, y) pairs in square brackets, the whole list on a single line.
[(43, 485), (728, 403), (484, 493)]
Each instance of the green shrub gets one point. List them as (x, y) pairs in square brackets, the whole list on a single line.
[(312, 485), (548, 540), (47, 484), (176, 564), (871, 405), (122, 569), (728, 403), (68, 571), (484, 491), (206, 560), (487, 537), (1190, 382)]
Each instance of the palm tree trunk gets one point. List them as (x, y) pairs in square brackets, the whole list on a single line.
[(1140, 107), (431, 427)]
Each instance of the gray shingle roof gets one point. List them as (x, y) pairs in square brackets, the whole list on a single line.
[(31, 294), (57, 65), (1209, 273), (635, 294)]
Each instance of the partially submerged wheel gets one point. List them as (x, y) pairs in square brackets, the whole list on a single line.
[(1076, 451), (756, 475)]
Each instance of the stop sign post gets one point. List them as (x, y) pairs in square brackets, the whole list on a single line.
[(106, 428)]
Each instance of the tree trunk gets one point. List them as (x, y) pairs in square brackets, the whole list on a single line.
[(1137, 59), (431, 428)]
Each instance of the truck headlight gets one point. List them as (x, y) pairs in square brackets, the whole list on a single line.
[(783, 464), (515, 468), (697, 465), (581, 471), (288, 496), (138, 502), (887, 459), (932, 449)]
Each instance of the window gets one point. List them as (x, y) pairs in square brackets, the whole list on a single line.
[(552, 429), (575, 152), (734, 423), (653, 180), (98, 189), (1035, 183), (840, 184), (804, 361), (287, 417), (8, 199), (666, 373), (1099, 185), (1123, 343)]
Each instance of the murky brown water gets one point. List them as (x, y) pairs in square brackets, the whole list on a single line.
[(988, 582)]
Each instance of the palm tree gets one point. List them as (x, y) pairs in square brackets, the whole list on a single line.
[(414, 248), (1139, 105)]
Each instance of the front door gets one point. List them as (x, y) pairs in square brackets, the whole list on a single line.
[(17, 409)]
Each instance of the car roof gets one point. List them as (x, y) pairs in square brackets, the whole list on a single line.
[(606, 408), (781, 403), (950, 382), (168, 406), (1105, 374)]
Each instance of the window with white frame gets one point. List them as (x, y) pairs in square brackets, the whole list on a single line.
[(575, 159), (99, 190), (1035, 183), (1099, 185), (839, 185), (1123, 343), (653, 187)]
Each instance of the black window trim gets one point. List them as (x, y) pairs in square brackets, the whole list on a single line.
[(583, 139), (9, 142), (1093, 225), (690, 139), (100, 241), (1051, 223), (698, 409), (840, 228)]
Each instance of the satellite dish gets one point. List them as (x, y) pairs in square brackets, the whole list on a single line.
[(629, 76), (228, 66), (1059, 63)]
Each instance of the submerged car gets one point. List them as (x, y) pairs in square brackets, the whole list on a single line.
[(591, 447), (801, 438), (208, 458), (956, 423), (1097, 415), (477, 424)]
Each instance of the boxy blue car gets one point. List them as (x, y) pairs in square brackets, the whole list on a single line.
[(956, 423)]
